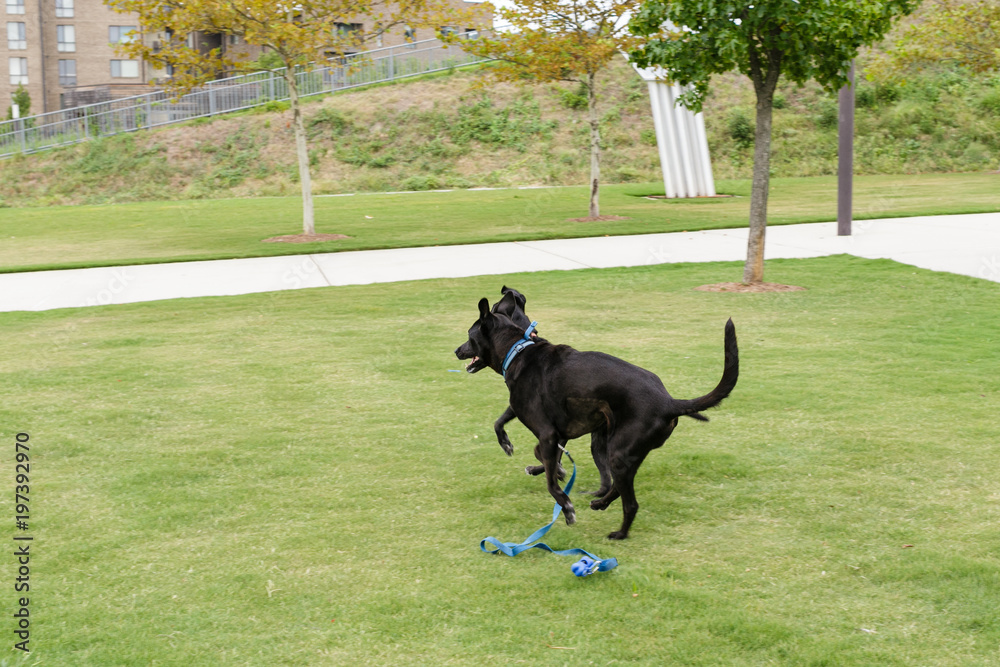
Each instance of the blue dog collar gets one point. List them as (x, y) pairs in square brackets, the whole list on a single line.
[(518, 346)]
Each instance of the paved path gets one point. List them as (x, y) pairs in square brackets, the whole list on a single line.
[(964, 244)]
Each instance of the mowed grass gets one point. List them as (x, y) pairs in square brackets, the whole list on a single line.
[(296, 478), (78, 236)]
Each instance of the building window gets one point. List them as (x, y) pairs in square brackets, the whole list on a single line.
[(124, 69), (65, 38), (234, 40), (446, 30), (471, 33), (409, 34), (67, 72), (15, 6), (119, 34), (348, 31), (64, 9), (16, 39), (18, 71)]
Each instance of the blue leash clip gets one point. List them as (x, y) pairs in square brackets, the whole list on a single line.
[(583, 567)]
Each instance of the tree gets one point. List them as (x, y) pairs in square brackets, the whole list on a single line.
[(964, 32), (562, 40), (692, 40), (23, 101), (298, 35)]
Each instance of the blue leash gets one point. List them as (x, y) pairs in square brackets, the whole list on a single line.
[(586, 565)]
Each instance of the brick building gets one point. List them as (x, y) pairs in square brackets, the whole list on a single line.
[(62, 52)]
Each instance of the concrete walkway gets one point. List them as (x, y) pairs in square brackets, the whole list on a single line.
[(963, 244)]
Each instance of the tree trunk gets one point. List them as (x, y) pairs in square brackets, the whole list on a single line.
[(764, 85), (308, 222), (595, 146)]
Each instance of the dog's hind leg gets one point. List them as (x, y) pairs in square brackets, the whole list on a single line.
[(502, 438), (599, 450), (602, 503), (623, 468)]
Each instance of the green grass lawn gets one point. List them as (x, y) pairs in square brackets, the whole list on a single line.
[(296, 479), (76, 236)]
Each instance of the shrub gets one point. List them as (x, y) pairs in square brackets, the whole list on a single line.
[(509, 127), (990, 102), (420, 183), (273, 106), (329, 118), (865, 97), (826, 114), (628, 174), (23, 101), (740, 128), (574, 99)]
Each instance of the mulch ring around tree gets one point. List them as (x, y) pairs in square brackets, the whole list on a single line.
[(749, 288), (305, 238), (600, 218)]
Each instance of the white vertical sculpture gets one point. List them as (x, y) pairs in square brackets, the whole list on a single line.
[(681, 140)]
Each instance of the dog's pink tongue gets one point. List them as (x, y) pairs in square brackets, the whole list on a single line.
[(474, 360)]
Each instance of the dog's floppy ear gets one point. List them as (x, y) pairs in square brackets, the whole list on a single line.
[(484, 309)]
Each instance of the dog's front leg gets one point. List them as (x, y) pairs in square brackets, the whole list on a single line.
[(549, 448), (502, 438)]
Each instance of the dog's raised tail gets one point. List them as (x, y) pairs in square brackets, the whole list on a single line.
[(730, 374)]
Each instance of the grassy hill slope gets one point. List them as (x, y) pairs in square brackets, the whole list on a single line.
[(451, 131)]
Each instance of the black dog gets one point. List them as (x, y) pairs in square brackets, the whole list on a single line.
[(560, 393), (512, 304)]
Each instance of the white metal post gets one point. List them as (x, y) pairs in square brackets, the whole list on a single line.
[(681, 141)]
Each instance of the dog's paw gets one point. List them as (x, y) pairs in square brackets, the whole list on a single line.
[(617, 535), (507, 448), (599, 504), (538, 470), (570, 515)]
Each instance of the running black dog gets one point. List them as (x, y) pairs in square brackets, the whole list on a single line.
[(512, 305), (560, 393)]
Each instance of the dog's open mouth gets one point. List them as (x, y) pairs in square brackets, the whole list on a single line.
[(475, 365)]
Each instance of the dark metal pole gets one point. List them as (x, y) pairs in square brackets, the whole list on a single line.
[(845, 155)]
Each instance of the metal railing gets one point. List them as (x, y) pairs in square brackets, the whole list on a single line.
[(69, 126)]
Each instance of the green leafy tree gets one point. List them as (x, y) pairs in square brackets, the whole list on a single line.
[(963, 32), (23, 101), (693, 40), (562, 40), (298, 35)]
